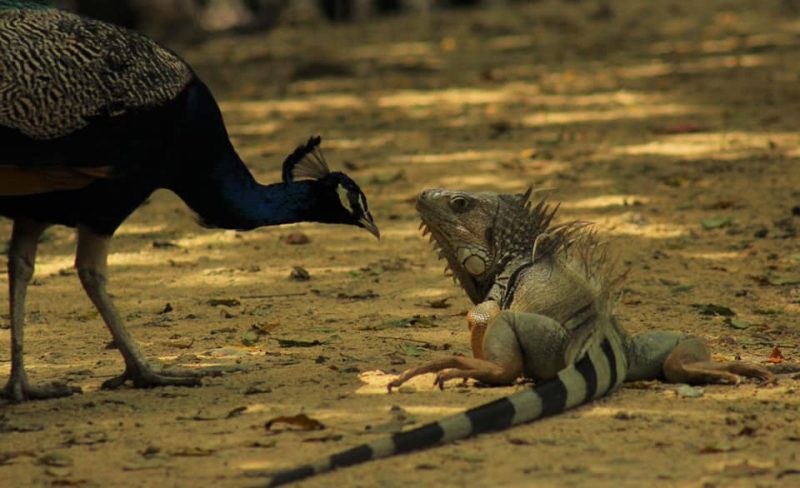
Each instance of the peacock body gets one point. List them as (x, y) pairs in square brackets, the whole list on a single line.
[(93, 119)]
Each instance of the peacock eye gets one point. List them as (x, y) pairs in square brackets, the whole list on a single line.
[(459, 204)]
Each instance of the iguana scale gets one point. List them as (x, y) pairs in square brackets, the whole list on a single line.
[(543, 310)]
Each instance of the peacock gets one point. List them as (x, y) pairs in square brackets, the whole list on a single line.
[(93, 119)]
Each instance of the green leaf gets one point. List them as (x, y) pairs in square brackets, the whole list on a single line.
[(687, 391), (714, 310), (681, 288), (412, 350), (250, 338), (737, 324), (717, 223)]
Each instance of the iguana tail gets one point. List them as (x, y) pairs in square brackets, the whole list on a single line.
[(601, 369)]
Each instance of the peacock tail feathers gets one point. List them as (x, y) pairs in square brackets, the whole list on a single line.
[(59, 70)]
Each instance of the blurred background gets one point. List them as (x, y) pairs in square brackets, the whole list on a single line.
[(184, 16)]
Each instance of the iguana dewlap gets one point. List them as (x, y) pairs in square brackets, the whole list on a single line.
[(543, 310)]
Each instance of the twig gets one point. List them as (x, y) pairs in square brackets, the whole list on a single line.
[(403, 339), (274, 295)]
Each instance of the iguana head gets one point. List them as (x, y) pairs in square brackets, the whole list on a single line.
[(480, 233)]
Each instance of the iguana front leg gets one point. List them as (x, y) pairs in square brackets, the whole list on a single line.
[(478, 320), (515, 344), (679, 358)]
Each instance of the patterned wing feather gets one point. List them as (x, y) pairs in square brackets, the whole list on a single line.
[(58, 70)]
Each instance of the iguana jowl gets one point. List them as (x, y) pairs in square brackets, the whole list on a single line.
[(543, 310)]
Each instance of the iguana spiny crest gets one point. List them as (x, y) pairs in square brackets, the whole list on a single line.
[(479, 234)]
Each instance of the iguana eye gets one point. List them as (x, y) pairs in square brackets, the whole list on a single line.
[(459, 204)]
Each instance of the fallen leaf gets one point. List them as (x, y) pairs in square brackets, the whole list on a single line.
[(258, 387), (6, 457), (14, 425), (736, 324), (55, 459), (250, 338), (687, 391), (180, 342), (193, 451), (441, 303), (296, 239), (294, 343), (59, 472), (413, 350), (227, 302), (776, 356), (87, 438), (369, 294), (681, 288), (164, 245), (324, 438), (717, 223), (745, 468), (717, 447), (415, 321), (299, 273), (714, 310), (301, 421), (236, 412)]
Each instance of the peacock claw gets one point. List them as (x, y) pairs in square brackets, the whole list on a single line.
[(20, 391)]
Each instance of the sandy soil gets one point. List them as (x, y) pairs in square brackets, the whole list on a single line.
[(673, 125)]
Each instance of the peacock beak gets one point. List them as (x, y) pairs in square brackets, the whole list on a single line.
[(369, 224)]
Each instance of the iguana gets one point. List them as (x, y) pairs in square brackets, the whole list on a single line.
[(543, 297)]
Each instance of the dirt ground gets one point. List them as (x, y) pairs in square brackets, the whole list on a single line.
[(672, 125)]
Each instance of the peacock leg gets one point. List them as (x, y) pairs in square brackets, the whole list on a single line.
[(21, 262), (91, 262)]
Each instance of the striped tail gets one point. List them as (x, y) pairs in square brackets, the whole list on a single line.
[(601, 369)]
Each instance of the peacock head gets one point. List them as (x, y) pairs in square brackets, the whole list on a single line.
[(339, 199)]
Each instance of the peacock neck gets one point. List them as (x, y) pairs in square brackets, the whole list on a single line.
[(227, 196), (210, 177)]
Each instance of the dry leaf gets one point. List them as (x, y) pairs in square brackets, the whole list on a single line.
[(192, 451), (776, 357), (296, 239), (301, 421), (441, 303)]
